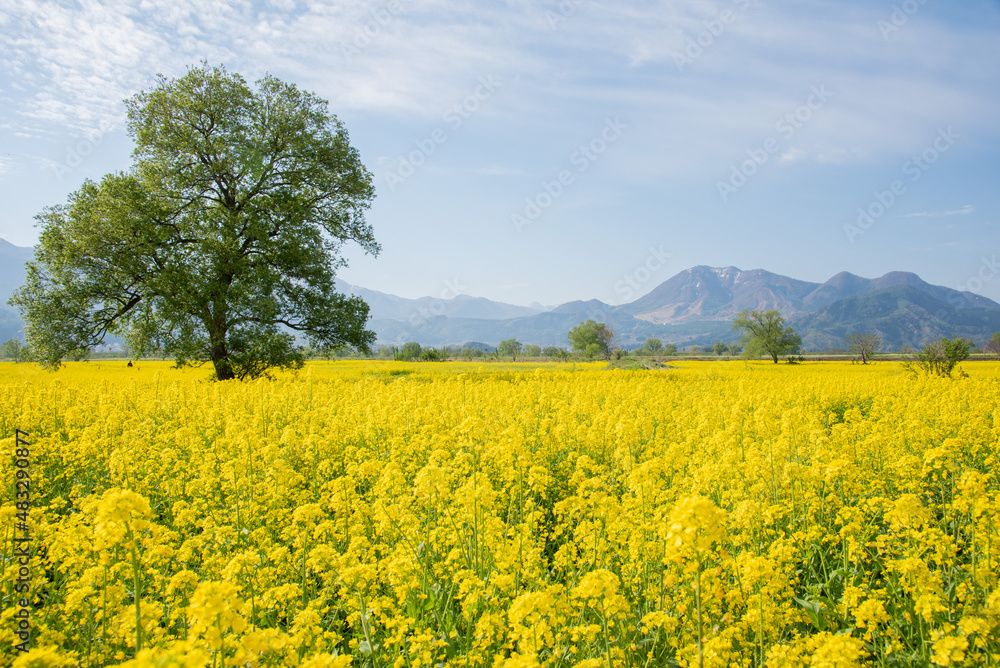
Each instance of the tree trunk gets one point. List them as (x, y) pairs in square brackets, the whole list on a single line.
[(220, 356), (222, 369)]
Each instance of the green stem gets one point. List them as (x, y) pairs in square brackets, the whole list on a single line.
[(135, 592), (760, 622), (364, 627), (607, 645), (697, 602)]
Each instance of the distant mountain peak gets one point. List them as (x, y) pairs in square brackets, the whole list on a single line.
[(704, 293), (589, 305)]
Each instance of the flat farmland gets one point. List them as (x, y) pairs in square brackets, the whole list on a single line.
[(387, 514)]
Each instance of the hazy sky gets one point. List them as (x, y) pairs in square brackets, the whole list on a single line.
[(550, 151)]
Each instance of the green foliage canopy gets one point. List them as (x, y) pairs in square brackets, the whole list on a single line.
[(939, 358), (12, 349), (510, 347), (593, 339), (652, 346), (765, 333), (410, 351), (221, 240)]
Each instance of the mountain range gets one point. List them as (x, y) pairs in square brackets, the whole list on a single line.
[(12, 272), (694, 307), (697, 307)]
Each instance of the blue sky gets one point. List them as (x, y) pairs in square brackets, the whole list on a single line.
[(550, 151)]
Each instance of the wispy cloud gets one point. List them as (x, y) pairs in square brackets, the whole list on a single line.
[(76, 62), (500, 170), (791, 155), (965, 210)]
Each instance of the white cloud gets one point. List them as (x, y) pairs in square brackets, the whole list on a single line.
[(75, 63), (791, 155), (965, 210), (500, 170)]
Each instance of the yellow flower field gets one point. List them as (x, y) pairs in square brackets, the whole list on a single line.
[(455, 514)]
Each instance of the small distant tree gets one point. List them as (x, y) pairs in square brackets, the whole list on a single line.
[(862, 346), (554, 353), (652, 346), (719, 348), (593, 339), (470, 353), (669, 350), (765, 333), (11, 349), (432, 355), (939, 358), (409, 351), (694, 350), (532, 351), (510, 347), (992, 347)]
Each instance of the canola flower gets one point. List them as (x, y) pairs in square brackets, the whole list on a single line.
[(383, 515)]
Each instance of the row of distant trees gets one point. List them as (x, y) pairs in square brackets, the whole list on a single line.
[(764, 334)]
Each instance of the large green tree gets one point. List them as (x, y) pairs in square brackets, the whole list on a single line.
[(222, 240), (765, 333)]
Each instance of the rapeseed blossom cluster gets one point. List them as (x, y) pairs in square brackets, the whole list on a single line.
[(390, 515)]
